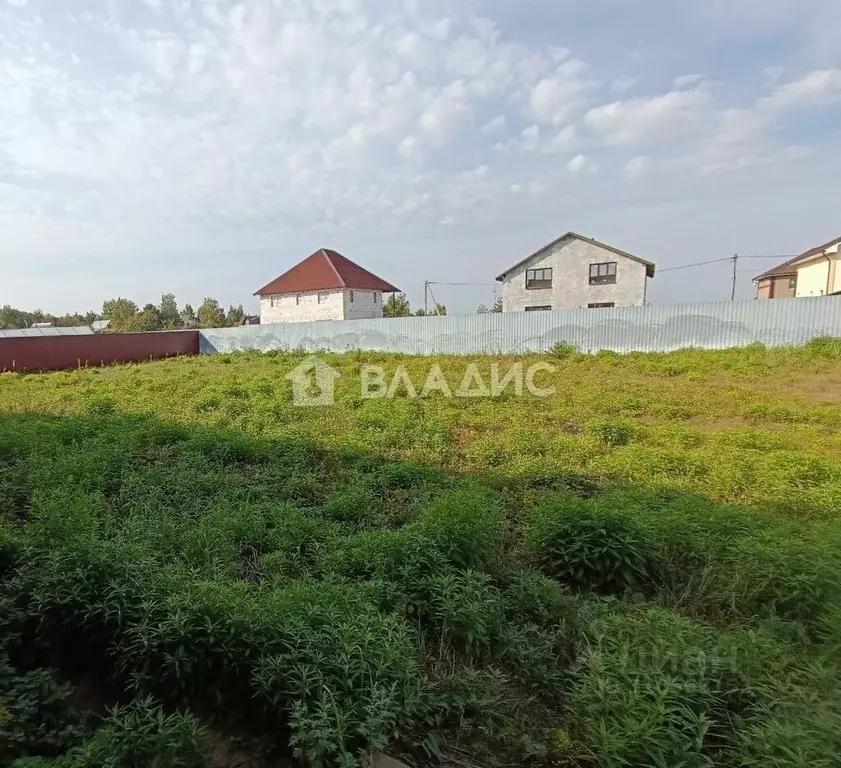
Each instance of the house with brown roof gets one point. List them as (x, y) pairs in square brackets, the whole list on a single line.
[(812, 273), (324, 286), (575, 271)]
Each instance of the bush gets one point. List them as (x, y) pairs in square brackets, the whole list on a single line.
[(593, 551), (468, 609), (562, 350), (614, 433), (143, 735), (36, 718)]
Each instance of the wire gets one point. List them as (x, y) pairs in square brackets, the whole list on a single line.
[(697, 264), (435, 282), (721, 261)]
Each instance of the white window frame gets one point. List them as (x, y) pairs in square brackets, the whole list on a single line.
[(323, 298)]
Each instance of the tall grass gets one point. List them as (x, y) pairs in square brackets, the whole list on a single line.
[(642, 569)]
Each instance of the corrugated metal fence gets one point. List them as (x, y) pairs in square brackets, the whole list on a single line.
[(780, 322)]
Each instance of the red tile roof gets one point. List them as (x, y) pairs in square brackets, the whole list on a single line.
[(325, 270), (790, 267)]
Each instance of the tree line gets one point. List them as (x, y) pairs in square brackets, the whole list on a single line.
[(127, 317)]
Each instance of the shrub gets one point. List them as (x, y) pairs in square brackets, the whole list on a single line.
[(468, 609), (142, 735), (828, 347), (35, 715), (464, 525), (614, 433), (593, 551), (562, 350)]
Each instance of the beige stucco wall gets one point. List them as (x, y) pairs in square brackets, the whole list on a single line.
[(570, 262), (813, 278), (305, 307)]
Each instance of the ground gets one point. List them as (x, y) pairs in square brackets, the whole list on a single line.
[(641, 568)]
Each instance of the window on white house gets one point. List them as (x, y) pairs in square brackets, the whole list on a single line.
[(603, 274), (539, 309), (297, 299), (351, 296), (272, 302), (538, 278), (601, 305), (375, 297), (322, 298)]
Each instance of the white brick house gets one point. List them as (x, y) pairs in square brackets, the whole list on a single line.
[(573, 272), (324, 286)]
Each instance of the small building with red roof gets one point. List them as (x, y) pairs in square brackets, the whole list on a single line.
[(324, 286)]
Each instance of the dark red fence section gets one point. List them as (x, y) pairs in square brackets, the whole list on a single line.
[(57, 353)]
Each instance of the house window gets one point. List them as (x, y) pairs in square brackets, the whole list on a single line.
[(539, 309), (351, 296), (375, 297), (322, 298), (601, 305), (297, 299), (604, 273), (792, 283), (538, 278), (273, 302)]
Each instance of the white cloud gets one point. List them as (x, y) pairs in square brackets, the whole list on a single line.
[(577, 164), (495, 126), (623, 84), (677, 114), (557, 98), (231, 124), (686, 81), (636, 166), (818, 88)]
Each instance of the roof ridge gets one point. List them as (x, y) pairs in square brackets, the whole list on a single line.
[(326, 253)]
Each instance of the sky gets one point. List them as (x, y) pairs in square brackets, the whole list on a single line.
[(203, 147)]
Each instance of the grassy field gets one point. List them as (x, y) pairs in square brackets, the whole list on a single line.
[(639, 570)]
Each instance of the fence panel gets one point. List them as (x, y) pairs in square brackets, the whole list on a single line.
[(780, 322), (54, 353)]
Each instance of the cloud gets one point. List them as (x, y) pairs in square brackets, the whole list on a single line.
[(816, 89), (676, 114), (193, 127), (578, 164), (686, 81), (557, 98), (636, 166)]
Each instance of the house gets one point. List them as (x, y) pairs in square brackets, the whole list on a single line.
[(813, 273), (324, 286), (575, 271)]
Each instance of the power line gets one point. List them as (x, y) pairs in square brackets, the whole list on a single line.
[(697, 264)]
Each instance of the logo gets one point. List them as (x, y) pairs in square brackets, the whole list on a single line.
[(313, 383)]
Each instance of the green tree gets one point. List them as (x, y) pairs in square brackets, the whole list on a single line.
[(188, 317), (497, 307), (122, 313), (170, 319), (397, 305), (482, 309), (235, 315), (210, 314), (148, 319)]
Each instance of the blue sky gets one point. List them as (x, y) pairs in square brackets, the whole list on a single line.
[(202, 147)]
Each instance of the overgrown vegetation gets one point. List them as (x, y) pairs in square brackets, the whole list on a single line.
[(642, 569)]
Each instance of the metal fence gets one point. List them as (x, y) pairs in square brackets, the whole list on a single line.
[(780, 322)]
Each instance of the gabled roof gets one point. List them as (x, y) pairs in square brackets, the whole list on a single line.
[(325, 270), (649, 266), (788, 268)]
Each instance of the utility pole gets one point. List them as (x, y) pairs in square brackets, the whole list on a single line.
[(426, 297), (735, 261)]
